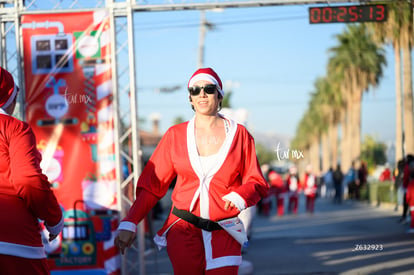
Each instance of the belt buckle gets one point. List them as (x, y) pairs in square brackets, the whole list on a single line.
[(205, 224)]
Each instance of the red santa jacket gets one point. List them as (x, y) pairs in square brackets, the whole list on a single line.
[(277, 184), (293, 184), (310, 186), (410, 194), (236, 175), (25, 195)]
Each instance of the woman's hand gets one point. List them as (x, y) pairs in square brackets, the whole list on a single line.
[(228, 204), (124, 240)]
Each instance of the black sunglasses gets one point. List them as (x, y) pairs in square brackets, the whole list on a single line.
[(208, 89)]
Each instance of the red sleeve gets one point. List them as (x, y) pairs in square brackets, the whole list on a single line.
[(143, 203), (254, 186), (153, 182), (28, 180), (159, 171)]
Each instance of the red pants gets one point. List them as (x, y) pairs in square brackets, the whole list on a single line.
[(310, 203), (266, 205), (412, 217), (280, 204), (12, 265), (293, 204), (185, 249)]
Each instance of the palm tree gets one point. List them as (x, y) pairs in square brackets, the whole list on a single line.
[(390, 32), (406, 15), (309, 132), (358, 62), (322, 94), (330, 106), (338, 111), (303, 140)]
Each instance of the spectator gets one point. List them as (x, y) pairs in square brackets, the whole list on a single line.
[(386, 174), (362, 179), (398, 183), (409, 160), (352, 181), (338, 178), (410, 195), (329, 183)]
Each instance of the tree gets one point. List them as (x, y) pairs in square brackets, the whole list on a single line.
[(392, 32), (373, 152), (406, 14), (329, 103), (226, 100), (264, 155), (357, 62), (178, 120)]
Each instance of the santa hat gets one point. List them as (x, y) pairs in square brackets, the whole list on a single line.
[(207, 74), (8, 89)]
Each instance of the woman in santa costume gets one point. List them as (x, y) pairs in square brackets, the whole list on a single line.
[(310, 189), (293, 186), (218, 176), (278, 189), (25, 194)]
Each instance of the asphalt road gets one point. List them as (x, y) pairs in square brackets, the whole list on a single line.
[(351, 238)]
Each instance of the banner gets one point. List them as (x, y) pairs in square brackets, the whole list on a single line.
[(69, 105)]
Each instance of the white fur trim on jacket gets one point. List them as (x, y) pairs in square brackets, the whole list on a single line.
[(24, 251), (56, 229), (129, 226), (236, 199)]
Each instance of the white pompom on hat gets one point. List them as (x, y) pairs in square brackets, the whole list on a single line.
[(8, 88), (207, 74)]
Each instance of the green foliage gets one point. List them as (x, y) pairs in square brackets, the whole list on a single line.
[(264, 155), (226, 100), (381, 192), (178, 120), (373, 152)]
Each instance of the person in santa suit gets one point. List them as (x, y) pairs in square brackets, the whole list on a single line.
[(410, 195), (310, 189), (218, 176), (278, 189), (293, 186), (25, 194)]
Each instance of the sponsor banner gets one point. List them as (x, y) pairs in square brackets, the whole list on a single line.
[(69, 105)]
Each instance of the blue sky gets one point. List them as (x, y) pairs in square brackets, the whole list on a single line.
[(271, 54)]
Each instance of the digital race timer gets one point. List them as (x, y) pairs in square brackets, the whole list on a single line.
[(348, 14)]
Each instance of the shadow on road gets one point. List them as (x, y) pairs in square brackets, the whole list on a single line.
[(351, 238)]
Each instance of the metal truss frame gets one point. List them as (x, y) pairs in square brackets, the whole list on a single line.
[(124, 86)]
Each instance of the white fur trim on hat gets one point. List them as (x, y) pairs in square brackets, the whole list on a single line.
[(206, 77), (11, 98)]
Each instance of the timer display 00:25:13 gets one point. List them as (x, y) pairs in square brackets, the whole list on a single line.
[(348, 14)]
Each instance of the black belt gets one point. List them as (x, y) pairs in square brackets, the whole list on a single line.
[(199, 222)]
